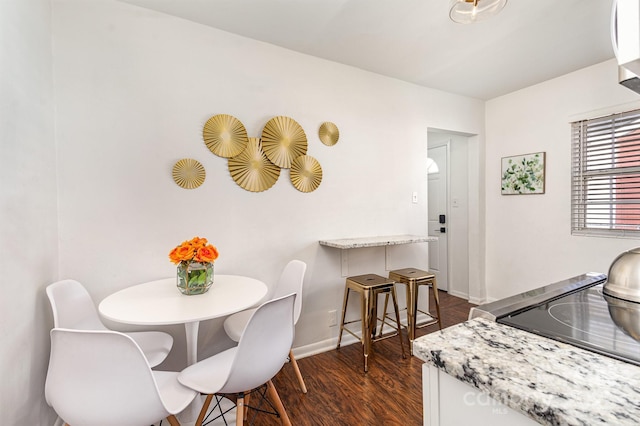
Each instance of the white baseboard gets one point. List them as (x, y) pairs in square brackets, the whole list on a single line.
[(347, 339), (458, 294), (323, 346), (477, 301)]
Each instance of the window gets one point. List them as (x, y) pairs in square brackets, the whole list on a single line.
[(605, 187)]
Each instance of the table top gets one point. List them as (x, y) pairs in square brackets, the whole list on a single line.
[(389, 240), (161, 303)]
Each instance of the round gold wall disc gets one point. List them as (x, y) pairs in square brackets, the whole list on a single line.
[(306, 173), (328, 133), (252, 170), (225, 135), (188, 173), (283, 140)]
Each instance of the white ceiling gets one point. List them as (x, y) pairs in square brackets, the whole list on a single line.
[(530, 41)]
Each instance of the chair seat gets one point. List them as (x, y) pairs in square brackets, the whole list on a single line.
[(406, 275), (235, 324), (175, 395), (209, 375)]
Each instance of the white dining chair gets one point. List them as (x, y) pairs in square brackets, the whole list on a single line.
[(73, 308), (102, 377), (291, 281), (261, 352)]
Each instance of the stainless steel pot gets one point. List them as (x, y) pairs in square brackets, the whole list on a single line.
[(623, 280), (625, 315)]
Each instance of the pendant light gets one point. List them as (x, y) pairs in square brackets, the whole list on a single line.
[(468, 11)]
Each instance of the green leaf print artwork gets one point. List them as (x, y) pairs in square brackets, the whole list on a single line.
[(523, 174)]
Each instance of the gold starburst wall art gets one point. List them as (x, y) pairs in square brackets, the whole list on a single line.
[(188, 173), (306, 173), (328, 133), (252, 170), (283, 140), (225, 135)]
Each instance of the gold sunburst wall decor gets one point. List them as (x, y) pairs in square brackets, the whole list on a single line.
[(283, 140), (306, 173), (252, 170), (225, 135), (328, 133), (188, 173)]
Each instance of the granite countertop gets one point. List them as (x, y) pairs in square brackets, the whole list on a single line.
[(390, 240), (551, 382)]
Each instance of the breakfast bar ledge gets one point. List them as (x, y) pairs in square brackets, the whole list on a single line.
[(344, 244)]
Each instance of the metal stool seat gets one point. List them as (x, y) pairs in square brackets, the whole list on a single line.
[(413, 278), (370, 286)]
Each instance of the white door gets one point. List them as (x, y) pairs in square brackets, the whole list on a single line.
[(438, 215)]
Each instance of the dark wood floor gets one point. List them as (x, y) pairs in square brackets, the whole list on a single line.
[(340, 393)]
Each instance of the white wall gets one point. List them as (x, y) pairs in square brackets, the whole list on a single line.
[(528, 237), (28, 236), (133, 90)]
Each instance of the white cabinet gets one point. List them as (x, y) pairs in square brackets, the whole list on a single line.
[(449, 402)]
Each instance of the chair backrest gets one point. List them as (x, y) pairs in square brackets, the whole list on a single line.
[(264, 345), (101, 377), (73, 307), (291, 281)]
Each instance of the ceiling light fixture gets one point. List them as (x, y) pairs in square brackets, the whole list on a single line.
[(468, 11)]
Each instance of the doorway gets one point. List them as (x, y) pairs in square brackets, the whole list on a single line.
[(438, 213), (449, 195)]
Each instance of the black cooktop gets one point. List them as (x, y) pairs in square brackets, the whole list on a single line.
[(585, 318)]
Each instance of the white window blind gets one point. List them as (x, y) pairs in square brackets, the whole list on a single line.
[(605, 190)]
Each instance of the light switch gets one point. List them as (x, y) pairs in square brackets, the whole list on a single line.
[(414, 197)]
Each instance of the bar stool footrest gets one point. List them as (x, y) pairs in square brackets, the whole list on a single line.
[(434, 320)]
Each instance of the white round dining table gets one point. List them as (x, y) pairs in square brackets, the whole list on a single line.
[(161, 303)]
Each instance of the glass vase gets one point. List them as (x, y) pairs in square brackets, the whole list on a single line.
[(194, 277)]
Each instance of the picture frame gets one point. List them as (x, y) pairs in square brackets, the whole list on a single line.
[(523, 174)]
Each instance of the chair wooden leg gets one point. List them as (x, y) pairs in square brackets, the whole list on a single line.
[(297, 370), (173, 421), (273, 393), (203, 410), (246, 405), (240, 410)]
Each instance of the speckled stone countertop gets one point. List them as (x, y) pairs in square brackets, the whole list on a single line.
[(551, 382), (390, 240)]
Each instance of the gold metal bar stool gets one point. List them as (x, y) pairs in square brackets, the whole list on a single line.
[(370, 286), (413, 278)]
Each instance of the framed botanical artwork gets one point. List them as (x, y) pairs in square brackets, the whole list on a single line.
[(523, 174)]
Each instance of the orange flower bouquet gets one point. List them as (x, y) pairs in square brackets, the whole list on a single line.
[(194, 259)]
